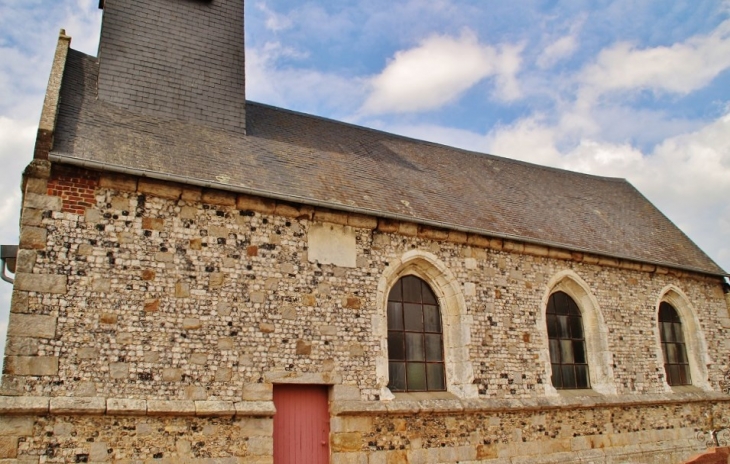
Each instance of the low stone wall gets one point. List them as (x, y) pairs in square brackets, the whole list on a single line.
[(659, 429)]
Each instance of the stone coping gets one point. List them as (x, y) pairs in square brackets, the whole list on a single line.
[(17, 405), (455, 405), (132, 407)]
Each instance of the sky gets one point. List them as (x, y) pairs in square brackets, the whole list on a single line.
[(624, 88)]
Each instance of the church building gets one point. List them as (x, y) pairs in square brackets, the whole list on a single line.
[(205, 279)]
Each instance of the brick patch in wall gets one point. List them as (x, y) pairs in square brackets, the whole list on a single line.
[(74, 186)]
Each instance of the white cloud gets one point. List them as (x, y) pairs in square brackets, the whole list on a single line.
[(274, 21), (559, 50), (439, 70), (680, 68), (301, 89)]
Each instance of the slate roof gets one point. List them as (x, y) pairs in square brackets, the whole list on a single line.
[(312, 160)]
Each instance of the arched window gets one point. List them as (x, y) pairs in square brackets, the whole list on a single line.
[(676, 363), (415, 338), (567, 343)]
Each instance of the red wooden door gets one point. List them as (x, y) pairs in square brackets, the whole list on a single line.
[(301, 425)]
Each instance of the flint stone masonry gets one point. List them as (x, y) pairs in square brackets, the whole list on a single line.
[(268, 296)]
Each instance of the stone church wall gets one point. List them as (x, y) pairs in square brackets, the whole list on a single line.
[(157, 300)]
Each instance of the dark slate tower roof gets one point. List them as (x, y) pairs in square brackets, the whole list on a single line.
[(316, 161), (181, 59)]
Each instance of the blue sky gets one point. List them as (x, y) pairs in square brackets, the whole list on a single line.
[(625, 88)]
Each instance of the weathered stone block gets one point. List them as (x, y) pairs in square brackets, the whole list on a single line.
[(255, 408), (33, 238), (258, 297), (455, 236), (196, 393), (346, 442), (218, 231), (21, 346), (362, 221), (303, 348), (223, 374), (77, 405), (214, 408), (285, 210), (225, 343), (126, 406), (266, 327), (188, 212), (170, 374), (170, 408), (118, 370), (164, 257), (216, 279), (19, 302), (477, 240), (223, 308), (261, 446), (332, 244), (432, 233), (36, 185), (101, 285), (151, 357), (108, 318), (151, 306), (258, 392), (125, 237), (191, 193), (256, 204), (92, 216), (121, 182), (87, 352), (98, 452), (149, 223), (32, 325), (26, 261), (43, 202), (219, 197), (125, 338), (16, 426), (31, 217), (200, 359), (192, 323), (408, 229), (352, 303), (159, 188), (41, 283), (23, 405), (85, 250), (182, 290), (332, 217)]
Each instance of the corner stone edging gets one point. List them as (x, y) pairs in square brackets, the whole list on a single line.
[(23, 405)]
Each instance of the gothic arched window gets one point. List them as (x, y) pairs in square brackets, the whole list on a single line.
[(676, 363), (415, 338), (567, 343)]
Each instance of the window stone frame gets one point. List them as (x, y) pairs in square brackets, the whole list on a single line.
[(694, 338), (600, 358), (456, 324)]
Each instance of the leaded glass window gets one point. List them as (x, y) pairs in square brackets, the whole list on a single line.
[(567, 343), (415, 338), (676, 363)]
